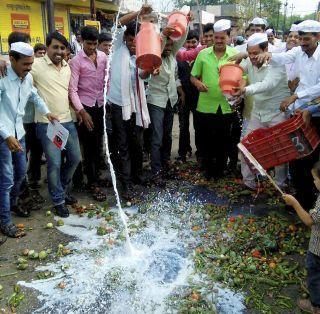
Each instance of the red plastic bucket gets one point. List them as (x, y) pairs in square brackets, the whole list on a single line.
[(230, 76), (178, 21), (148, 47)]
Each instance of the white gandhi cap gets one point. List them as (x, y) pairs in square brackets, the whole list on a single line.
[(22, 48), (309, 26), (269, 31), (258, 21), (222, 25), (256, 39), (294, 28)]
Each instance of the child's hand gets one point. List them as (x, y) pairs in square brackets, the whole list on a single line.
[(290, 200)]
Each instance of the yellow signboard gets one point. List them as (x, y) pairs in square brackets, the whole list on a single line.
[(96, 24)]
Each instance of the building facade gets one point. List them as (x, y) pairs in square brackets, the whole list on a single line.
[(31, 17)]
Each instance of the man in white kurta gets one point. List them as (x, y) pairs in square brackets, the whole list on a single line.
[(268, 86)]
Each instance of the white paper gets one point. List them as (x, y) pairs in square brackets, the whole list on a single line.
[(57, 134)]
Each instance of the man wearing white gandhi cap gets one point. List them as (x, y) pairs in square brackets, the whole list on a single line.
[(23, 48), (306, 60), (214, 113), (15, 90), (268, 87)]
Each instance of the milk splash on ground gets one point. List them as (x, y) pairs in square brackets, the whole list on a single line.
[(99, 278)]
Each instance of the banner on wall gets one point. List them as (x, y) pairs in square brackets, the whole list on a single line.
[(20, 23), (92, 23), (59, 25)]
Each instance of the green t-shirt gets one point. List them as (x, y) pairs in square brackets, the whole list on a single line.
[(206, 67)]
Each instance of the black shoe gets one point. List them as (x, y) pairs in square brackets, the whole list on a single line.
[(21, 212), (70, 200), (61, 210)]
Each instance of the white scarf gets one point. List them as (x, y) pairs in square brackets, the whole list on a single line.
[(129, 96)]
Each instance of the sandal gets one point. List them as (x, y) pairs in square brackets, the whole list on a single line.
[(12, 231), (97, 194)]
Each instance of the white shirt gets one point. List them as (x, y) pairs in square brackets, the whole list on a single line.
[(114, 94), (307, 69), (269, 88)]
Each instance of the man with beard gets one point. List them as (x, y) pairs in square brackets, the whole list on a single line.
[(51, 75)]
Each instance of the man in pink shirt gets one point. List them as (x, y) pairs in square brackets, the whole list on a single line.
[(191, 54), (86, 91)]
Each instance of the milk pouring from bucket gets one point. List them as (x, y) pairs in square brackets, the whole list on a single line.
[(230, 77)]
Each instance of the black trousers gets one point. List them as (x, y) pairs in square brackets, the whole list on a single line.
[(34, 147), (184, 125), (128, 139), (214, 135), (302, 179), (91, 144), (313, 278)]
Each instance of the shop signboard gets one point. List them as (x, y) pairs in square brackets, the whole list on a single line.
[(20, 23)]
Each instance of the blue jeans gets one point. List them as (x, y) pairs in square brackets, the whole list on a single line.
[(13, 168), (161, 138), (60, 174), (313, 278)]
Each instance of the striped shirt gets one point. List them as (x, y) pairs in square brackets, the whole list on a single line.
[(314, 244)]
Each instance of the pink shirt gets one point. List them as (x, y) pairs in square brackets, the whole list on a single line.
[(189, 55), (87, 81)]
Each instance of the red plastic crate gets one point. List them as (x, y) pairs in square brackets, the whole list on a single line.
[(284, 142)]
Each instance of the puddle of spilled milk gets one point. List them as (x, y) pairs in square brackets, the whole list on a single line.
[(100, 279)]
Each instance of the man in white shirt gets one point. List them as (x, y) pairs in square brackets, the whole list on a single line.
[(127, 104), (268, 86), (306, 60)]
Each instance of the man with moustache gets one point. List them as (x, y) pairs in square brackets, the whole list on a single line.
[(213, 110), (15, 90), (51, 75), (306, 60)]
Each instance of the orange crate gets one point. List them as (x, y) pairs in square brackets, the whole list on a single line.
[(284, 142)]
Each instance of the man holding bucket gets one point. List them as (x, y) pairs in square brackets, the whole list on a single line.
[(269, 88), (213, 110), (127, 103), (162, 96)]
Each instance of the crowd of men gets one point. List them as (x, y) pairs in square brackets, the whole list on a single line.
[(67, 83)]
